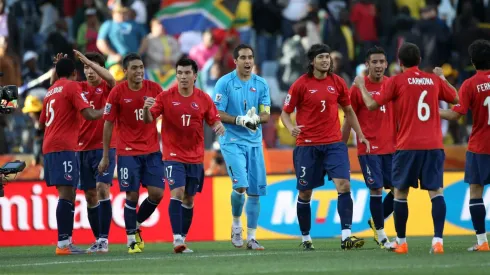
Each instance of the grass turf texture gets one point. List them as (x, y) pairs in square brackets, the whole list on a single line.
[(280, 257)]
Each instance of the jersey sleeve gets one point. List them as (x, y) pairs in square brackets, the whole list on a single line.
[(464, 100), (293, 96), (104, 30), (42, 118), (446, 92), (157, 109), (211, 116), (343, 99), (111, 108), (265, 100), (353, 98), (76, 96), (388, 92), (220, 95)]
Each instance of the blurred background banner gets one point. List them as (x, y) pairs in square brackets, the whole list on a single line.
[(28, 212)]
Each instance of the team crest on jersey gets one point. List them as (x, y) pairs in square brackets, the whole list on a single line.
[(235, 181), (370, 180), (331, 89), (68, 177), (303, 182), (98, 91), (253, 89), (170, 181), (287, 100), (124, 183), (218, 98), (194, 106), (107, 108), (84, 97)]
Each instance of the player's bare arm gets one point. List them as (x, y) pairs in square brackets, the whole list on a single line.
[(91, 114), (147, 116), (219, 128), (346, 128), (226, 118), (54, 76), (294, 130), (102, 72), (351, 118), (448, 114), (371, 104), (106, 141)]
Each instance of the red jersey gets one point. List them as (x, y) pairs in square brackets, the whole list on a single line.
[(182, 123), (378, 126), (61, 106), (474, 94), (125, 107), (316, 103), (91, 131), (415, 95)]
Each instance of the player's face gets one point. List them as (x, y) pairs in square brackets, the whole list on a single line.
[(185, 76), (245, 62), (377, 65), (135, 72), (90, 74), (322, 62)]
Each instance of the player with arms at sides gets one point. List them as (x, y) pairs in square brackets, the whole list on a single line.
[(379, 128), (474, 95), (139, 159), (183, 109), (419, 150), (96, 186), (319, 148), (63, 101), (237, 96)]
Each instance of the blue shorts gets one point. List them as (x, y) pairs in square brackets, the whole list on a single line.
[(246, 167), (409, 166), (376, 170), (477, 168), (61, 168), (89, 173), (311, 163), (179, 174), (143, 169)]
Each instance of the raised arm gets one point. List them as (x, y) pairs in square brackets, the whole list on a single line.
[(102, 72)]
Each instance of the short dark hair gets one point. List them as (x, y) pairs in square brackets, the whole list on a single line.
[(130, 57), (479, 52), (241, 47), (65, 67), (184, 62), (374, 50), (315, 50), (96, 57), (409, 55)]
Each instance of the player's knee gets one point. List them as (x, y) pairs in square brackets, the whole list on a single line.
[(376, 192), (132, 196), (401, 194), (188, 201), (433, 193), (343, 185), (91, 197), (305, 194), (241, 190), (476, 191), (178, 193), (103, 191), (66, 193)]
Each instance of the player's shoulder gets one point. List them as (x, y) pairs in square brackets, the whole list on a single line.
[(259, 79), (121, 86), (302, 80), (226, 79), (151, 84)]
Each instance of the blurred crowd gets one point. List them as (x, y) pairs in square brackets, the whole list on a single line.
[(281, 31)]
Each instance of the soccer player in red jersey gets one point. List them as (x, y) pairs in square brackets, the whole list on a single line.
[(63, 101), (319, 147), (419, 150), (183, 110), (474, 95), (96, 186), (379, 128), (139, 159)]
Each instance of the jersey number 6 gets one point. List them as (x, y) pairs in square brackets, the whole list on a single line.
[(423, 107)]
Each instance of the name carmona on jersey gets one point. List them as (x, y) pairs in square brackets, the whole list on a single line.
[(420, 81)]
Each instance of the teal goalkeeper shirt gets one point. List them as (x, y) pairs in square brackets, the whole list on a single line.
[(235, 97)]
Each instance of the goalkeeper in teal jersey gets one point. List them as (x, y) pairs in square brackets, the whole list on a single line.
[(243, 101)]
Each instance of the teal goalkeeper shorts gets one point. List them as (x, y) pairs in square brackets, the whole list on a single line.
[(246, 167)]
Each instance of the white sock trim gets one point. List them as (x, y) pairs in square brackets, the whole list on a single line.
[(97, 205), (108, 199), (129, 207), (175, 199), (188, 207)]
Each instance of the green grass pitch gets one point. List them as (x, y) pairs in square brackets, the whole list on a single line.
[(280, 257)]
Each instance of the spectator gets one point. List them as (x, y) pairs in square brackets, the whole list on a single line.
[(204, 50), (413, 5), (342, 39), (80, 15), (88, 32), (295, 11), (8, 66), (33, 106), (9, 29), (59, 41), (49, 18), (141, 14), (363, 17), (160, 51), (119, 36), (31, 70), (292, 62), (243, 21), (402, 32), (266, 17)]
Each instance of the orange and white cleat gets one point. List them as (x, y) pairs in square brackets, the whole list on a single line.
[(70, 250), (399, 248), (437, 248), (482, 247)]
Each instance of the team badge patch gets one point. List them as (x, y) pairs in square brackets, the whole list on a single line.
[(218, 98), (303, 182), (331, 89), (194, 106), (287, 100), (98, 91), (107, 108)]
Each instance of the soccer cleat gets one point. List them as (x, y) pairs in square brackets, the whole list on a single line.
[(236, 236), (70, 250), (139, 239), (253, 244), (385, 244), (134, 248), (352, 242), (400, 248), (188, 250), (179, 245), (307, 246), (481, 247), (437, 248), (103, 247), (93, 247), (373, 228)]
